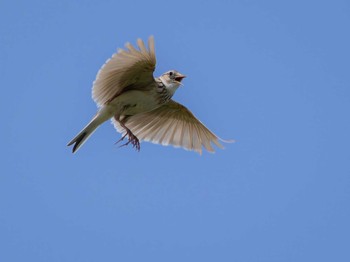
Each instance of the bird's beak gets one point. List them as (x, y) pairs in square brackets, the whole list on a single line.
[(179, 77)]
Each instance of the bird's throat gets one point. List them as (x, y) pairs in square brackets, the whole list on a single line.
[(171, 87)]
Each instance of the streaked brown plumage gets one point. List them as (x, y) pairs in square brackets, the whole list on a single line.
[(140, 105)]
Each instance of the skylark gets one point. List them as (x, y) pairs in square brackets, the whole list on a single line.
[(140, 105)]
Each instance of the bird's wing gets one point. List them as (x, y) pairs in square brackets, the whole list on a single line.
[(126, 69), (171, 124)]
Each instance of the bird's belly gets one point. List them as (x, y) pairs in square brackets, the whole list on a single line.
[(134, 102)]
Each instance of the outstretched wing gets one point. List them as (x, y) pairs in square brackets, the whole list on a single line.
[(171, 124), (126, 69)]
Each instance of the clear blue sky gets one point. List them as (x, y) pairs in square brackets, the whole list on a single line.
[(274, 75)]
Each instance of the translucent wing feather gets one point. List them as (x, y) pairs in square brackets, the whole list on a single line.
[(171, 124), (127, 69)]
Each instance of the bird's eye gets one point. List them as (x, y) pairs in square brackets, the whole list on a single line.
[(171, 73)]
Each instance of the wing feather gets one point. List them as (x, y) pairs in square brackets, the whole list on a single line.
[(197, 145), (173, 124), (141, 45), (130, 68)]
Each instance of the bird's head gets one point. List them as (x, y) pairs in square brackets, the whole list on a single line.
[(172, 78)]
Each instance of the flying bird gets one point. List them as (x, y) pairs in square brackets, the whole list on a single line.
[(140, 105)]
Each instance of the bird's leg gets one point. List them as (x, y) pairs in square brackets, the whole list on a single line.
[(121, 139), (132, 138)]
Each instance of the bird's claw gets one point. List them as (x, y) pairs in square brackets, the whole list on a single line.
[(132, 140)]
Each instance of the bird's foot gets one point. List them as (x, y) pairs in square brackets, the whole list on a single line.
[(135, 142), (132, 140)]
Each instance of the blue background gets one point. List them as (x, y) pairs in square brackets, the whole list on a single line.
[(273, 75)]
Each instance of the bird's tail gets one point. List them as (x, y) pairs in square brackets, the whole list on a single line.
[(84, 134)]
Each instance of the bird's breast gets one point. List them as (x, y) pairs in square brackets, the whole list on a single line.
[(134, 102)]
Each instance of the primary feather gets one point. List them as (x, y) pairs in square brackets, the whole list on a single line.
[(171, 124), (127, 68)]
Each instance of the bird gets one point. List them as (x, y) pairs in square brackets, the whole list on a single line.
[(141, 106)]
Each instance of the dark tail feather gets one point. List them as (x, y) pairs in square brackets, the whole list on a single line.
[(84, 134), (77, 141)]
